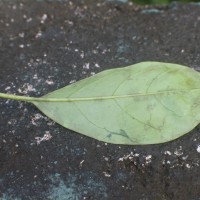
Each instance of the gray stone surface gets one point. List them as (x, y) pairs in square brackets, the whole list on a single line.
[(45, 45)]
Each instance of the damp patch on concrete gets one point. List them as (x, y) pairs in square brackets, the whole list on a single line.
[(71, 188)]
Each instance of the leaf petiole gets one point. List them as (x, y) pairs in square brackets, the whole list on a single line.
[(18, 98)]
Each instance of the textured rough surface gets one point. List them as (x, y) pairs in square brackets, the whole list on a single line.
[(47, 45)]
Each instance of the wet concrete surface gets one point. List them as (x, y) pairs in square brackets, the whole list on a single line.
[(45, 45)]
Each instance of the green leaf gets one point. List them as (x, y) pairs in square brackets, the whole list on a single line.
[(145, 103)]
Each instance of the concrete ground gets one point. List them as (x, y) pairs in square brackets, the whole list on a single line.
[(45, 45)]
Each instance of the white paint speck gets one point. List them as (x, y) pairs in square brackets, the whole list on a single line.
[(38, 35), (29, 20), (178, 151), (106, 174), (198, 149), (148, 159), (35, 118), (72, 81), (168, 162), (134, 37), (35, 76), (26, 88), (82, 55), (86, 66), (92, 73), (188, 166), (47, 136), (121, 159), (8, 88), (21, 46), (21, 35), (105, 51), (185, 157), (168, 153), (97, 65), (14, 7), (106, 158), (43, 18), (69, 22), (49, 82), (94, 51), (81, 163)]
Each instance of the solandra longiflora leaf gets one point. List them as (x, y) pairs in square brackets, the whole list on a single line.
[(145, 103)]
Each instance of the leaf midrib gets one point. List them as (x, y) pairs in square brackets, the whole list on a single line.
[(100, 98)]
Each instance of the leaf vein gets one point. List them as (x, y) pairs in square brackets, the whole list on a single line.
[(134, 118), (157, 76), (166, 107), (87, 117)]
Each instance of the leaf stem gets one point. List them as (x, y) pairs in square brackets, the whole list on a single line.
[(18, 98), (47, 99)]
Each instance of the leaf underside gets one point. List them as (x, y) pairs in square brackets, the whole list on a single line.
[(145, 103)]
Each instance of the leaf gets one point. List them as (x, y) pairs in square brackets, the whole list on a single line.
[(145, 103)]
